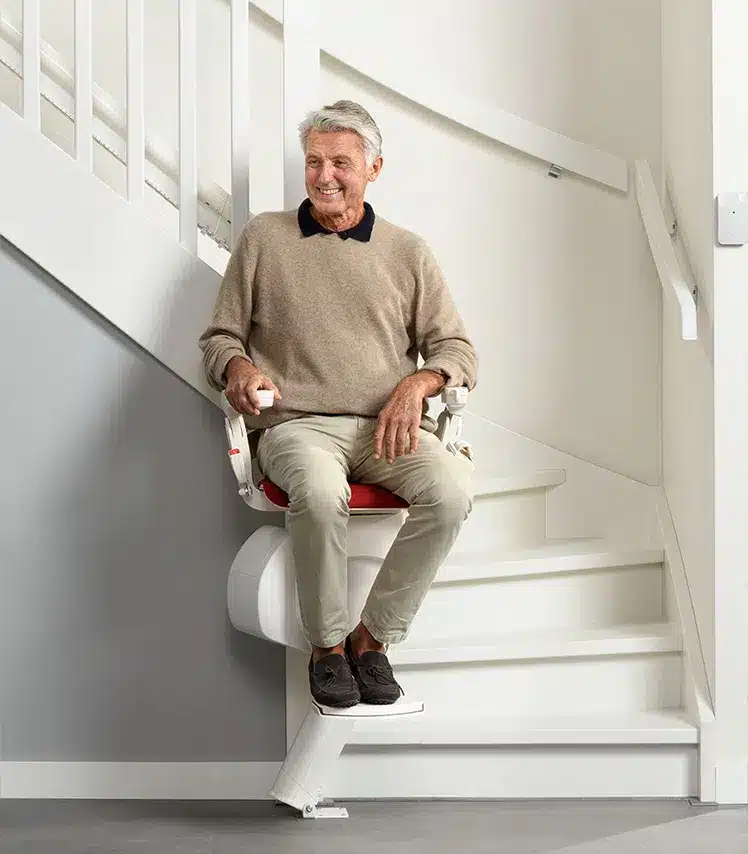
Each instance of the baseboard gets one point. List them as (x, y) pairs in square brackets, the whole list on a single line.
[(138, 780), (529, 773)]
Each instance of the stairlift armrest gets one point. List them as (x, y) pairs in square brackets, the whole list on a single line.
[(449, 422), (240, 454)]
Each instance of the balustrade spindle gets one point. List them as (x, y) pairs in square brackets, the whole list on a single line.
[(188, 124), (83, 85), (300, 88), (239, 117), (135, 114), (31, 64)]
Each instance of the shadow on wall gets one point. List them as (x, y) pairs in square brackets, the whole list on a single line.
[(119, 520)]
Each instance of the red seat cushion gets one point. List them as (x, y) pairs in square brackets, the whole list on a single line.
[(364, 496)]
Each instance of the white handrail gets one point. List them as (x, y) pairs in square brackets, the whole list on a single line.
[(300, 89), (239, 117), (188, 124), (663, 252), (83, 81), (484, 118), (31, 64), (135, 112)]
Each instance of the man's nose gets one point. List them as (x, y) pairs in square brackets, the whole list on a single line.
[(326, 172)]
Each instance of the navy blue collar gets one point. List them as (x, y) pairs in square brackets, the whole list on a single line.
[(362, 231)]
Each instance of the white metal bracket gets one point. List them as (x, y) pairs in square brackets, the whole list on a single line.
[(322, 810)]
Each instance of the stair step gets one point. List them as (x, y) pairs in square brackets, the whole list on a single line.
[(509, 512), (485, 487), (565, 556), (573, 602), (624, 640), (664, 727)]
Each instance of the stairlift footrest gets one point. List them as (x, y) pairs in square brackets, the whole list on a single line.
[(400, 708)]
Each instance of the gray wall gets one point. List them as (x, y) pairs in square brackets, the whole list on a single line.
[(119, 520)]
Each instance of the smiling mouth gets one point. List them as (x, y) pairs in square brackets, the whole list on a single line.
[(328, 192)]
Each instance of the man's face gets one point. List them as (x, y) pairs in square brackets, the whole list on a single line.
[(336, 172)]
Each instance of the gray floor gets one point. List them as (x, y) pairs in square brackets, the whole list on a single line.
[(211, 827)]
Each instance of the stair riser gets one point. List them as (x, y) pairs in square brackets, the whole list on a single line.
[(585, 600), (536, 772), (513, 520), (613, 685)]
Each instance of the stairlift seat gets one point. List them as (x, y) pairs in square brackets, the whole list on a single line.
[(262, 595), (364, 496)]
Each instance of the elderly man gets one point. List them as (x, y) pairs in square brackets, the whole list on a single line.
[(329, 307)]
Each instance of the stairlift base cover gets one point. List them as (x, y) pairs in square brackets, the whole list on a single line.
[(262, 595)]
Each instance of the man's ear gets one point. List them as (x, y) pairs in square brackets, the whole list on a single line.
[(375, 169)]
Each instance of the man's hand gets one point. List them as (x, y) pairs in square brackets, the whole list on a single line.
[(242, 381), (400, 420)]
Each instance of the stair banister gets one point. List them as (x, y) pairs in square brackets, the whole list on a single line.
[(98, 117)]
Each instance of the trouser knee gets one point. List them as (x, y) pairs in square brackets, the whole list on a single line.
[(451, 503), (319, 505)]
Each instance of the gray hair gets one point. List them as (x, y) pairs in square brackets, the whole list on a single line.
[(344, 115)]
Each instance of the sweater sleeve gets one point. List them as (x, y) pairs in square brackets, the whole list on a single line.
[(441, 337), (228, 332)]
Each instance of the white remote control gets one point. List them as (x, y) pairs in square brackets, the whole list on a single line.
[(267, 398)]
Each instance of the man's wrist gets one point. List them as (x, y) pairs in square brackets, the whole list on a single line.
[(431, 382), (238, 363)]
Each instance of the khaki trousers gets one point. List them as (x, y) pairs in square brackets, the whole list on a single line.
[(312, 458)]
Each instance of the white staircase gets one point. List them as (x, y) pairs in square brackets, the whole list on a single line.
[(556, 652), (549, 668)]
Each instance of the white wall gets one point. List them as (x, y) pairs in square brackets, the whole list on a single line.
[(730, 70), (688, 385), (553, 277)]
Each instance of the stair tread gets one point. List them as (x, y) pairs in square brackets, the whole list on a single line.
[(550, 557), (614, 640), (485, 486), (669, 726)]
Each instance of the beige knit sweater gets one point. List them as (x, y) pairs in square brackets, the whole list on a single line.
[(335, 324)]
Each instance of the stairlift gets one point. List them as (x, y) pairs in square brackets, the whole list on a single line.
[(263, 601)]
